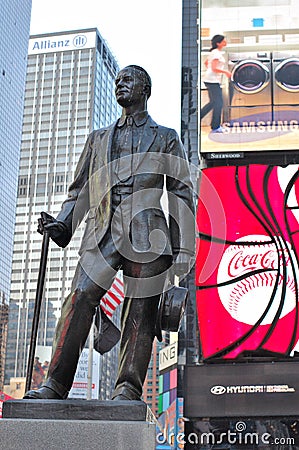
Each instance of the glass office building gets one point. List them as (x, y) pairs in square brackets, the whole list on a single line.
[(188, 339), (69, 92), (14, 35)]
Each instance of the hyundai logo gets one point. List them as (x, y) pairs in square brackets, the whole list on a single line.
[(79, 40), (218, 390)]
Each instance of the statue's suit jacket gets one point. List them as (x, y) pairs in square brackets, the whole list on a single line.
[(160, 160)]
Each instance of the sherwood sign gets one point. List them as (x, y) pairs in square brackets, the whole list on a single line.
[(59, 43)]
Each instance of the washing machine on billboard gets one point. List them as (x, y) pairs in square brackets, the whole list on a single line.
[(286, 86), (250, 92)]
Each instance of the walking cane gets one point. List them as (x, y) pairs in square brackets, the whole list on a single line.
[(37, 305)]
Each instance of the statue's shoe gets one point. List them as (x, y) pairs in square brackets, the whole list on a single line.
[(126, 391), (43, 392), (51, 390)]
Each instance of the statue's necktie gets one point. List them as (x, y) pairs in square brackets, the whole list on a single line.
[(124, 165)]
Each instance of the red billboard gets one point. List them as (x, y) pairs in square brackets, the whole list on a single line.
[(247, 261)]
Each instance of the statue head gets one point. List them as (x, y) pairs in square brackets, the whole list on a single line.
[(132, 86)]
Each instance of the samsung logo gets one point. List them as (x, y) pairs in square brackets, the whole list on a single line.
[(261, 126)]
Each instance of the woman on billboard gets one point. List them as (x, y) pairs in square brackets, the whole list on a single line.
[(212, 80)]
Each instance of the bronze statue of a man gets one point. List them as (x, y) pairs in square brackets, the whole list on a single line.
[(119, 182)]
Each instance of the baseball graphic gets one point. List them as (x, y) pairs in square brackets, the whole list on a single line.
[(247, 299)]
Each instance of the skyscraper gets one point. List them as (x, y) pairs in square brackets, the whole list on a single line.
[(151, 383), (14, 35), (69, 92), (188, 338)]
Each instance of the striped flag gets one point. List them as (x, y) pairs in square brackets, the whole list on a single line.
[(114, 297)]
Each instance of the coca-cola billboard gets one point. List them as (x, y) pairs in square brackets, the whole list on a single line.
[(247, 260)]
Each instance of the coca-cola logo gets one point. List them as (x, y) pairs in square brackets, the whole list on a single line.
[(258, 257), (262, 272)]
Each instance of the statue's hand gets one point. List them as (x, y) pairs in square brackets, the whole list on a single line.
[(57, 230)]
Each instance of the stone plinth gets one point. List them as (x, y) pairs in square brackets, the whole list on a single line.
[(77, 425)]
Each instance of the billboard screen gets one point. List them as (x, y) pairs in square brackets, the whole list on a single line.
[(247, 261), (249, 76)]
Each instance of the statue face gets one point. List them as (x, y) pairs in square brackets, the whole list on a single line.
[(129, 87)]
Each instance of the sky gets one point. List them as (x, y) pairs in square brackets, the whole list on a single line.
[(142, 32)]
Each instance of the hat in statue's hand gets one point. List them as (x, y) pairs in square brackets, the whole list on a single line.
[(171, 309), (106, 334)]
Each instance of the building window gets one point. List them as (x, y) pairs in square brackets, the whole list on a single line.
[(22, 192), (23, 181)]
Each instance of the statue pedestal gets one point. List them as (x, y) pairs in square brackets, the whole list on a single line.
[(77, 424)]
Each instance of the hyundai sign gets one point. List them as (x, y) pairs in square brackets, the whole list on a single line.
[(254, 389)]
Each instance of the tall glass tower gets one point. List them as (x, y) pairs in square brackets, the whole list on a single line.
[(69, 92), (189, 339), (14, 35)]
